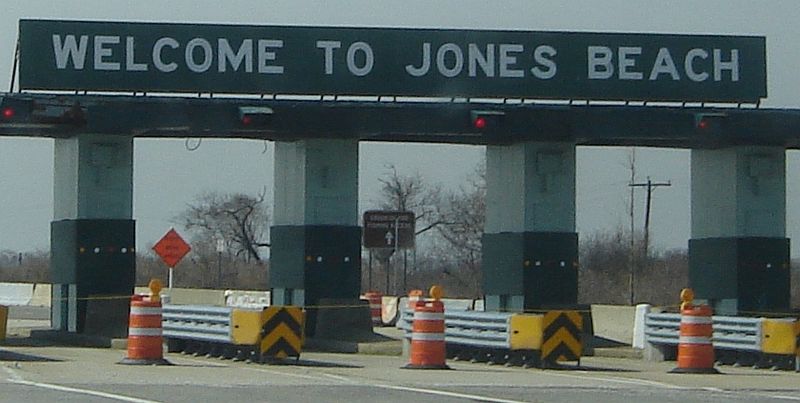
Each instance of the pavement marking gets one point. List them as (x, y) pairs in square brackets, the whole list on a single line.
[(15, 378), (446, 393), (783, 397), (630, 381)]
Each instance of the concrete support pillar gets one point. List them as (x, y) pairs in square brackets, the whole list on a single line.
[(316, 240), (738, 252), (93, 234), (530, 247)]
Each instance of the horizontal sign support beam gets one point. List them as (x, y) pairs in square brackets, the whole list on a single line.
[(41, 115), (160, 57)]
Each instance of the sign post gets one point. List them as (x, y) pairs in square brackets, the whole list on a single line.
[(171, 248)]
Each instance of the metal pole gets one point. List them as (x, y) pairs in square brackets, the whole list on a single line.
[(170, 280), (396, 243), (369, 270), (219, 270), (387, 274), (632, 254), (647, 217), (405, 271)]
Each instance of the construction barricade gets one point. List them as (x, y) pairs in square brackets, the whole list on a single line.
[(145, 341), (695, 351), (428, 349), (375, 300)]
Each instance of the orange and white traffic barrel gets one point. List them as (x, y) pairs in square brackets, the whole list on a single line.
[(428, 348), (375, 307), (144, 332), (695, 350)]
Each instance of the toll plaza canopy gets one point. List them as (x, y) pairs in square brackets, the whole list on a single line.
[(387, 84)]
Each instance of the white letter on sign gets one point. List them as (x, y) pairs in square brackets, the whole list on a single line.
[(329, 46), (208, 57), (507, 60), (426, 62), (664, 65), (130, 57), (264, 56), (158, 61), (600, 67), (688, 65), (70, 50), (625, 62), (226, 55), (101, 52), (369, 59), (732, 65), (458, 58)]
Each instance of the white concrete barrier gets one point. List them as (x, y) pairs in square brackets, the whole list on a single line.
[(614, 322), (247, 299), (42, 294), (389, 311), (453, 304), (16, 293), (638, 325)]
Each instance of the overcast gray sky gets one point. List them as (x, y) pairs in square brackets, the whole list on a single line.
[(167, 175)]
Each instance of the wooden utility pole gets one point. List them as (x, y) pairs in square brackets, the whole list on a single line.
[(651, 186)]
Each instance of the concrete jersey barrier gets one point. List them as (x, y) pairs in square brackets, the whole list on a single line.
[(16, 293)]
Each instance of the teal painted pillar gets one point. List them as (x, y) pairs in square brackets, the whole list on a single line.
[(93, 260), (738, 252), (530, 247), (316, 239)]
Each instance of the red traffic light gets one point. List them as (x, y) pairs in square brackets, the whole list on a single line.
[(8, 112), (479, 123), (709, 121), (487, 120)]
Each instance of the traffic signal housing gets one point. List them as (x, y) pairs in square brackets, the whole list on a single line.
[(709, 122), (255, 117), (14, 110), (487, 121)]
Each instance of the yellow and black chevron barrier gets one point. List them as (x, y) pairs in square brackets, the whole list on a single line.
[(282, 332), (561, 340)]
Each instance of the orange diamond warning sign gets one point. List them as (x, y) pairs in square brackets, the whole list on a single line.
[(172, 248)]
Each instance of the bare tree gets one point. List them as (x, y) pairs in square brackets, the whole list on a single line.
[(457, 216), (239, 219), (462, 214), (410, 193)]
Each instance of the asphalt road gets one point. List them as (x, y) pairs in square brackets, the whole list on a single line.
[(45, 374)]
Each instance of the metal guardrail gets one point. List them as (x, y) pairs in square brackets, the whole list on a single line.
[(730, 332), (468, 328), (197, 322)]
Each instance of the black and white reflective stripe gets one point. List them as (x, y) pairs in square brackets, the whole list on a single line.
[(427, 336), (145, 310), (429, 316), (144, 331)]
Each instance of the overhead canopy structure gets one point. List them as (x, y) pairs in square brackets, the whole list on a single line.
[(44, 115)]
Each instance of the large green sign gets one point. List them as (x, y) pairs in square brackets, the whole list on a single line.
[(114, 56)]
